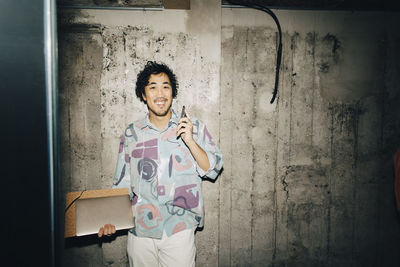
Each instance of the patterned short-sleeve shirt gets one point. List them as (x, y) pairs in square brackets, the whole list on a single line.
[(163, 177)]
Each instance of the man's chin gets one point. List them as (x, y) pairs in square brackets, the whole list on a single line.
[(161, 113)]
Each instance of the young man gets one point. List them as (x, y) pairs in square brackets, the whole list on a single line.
[(162, 159)]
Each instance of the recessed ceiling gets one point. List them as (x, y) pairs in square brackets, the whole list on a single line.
[(378, 5), (125, 4)]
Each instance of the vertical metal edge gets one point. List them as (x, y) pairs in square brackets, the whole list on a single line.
[(51, 68)]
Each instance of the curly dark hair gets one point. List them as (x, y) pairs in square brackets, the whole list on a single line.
[(153, 67)]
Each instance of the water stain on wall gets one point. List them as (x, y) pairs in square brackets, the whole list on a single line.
[(349, 69)]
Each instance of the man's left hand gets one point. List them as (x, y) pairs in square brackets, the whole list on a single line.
[(185, 129)]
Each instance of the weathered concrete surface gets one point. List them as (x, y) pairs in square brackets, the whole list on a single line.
[(307, 180), (79, 102), (97, 100), (309, 177)]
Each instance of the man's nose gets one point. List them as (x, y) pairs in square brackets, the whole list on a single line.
[(159, 91)]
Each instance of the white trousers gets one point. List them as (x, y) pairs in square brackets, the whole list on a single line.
[(177, 250)]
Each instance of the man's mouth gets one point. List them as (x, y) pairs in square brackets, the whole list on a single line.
[(160, 102)]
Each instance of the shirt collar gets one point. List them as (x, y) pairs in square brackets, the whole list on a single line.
[(173, 120)]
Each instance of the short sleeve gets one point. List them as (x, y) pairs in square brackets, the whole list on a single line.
[(122, 171), (206, 142)]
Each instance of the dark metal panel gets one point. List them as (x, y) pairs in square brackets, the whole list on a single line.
[(25, 177), (111, 3), (176, 4)]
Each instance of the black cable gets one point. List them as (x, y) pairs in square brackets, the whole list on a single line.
[(73, 201), (257, 5)]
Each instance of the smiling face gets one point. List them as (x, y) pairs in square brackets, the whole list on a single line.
[(158, 95)]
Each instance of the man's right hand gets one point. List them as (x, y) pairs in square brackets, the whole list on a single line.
[(107, 229)]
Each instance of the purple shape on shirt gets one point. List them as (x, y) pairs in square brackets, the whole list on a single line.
[(127, 158), (147, 169), (121, 144), (170, 166), (137, 153), (134, 200), (151, 153), (185, 198), (206, 133), (152, 142), (161, 190)]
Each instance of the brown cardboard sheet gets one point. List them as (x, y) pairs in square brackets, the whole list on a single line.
[(70, 215)]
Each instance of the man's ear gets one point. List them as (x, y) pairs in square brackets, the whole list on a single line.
[(144, 97)]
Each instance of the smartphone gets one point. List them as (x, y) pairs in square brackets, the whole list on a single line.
[(183, 114)]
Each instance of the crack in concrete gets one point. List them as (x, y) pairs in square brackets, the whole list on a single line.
[(289, 170)]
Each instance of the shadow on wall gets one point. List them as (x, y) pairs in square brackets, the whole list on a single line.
[(88, 240)]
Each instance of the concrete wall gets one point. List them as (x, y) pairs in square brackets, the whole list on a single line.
[(307, 180), (310, 178)]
